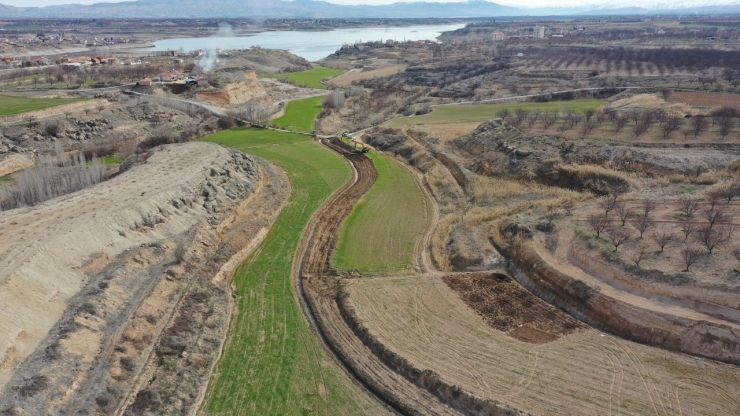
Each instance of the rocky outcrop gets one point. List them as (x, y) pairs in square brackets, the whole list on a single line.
[(75, 268), (235, 93)]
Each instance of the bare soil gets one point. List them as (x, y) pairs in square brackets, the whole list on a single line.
[(706, 99), (356, 75), (506, 306)]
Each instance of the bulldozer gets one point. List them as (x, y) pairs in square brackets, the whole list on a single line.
[(363, 147)]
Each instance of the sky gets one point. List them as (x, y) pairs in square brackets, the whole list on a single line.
[(515, 3)]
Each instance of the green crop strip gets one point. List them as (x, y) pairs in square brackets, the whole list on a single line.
[(272, 363), (11, 105), (380, 234)]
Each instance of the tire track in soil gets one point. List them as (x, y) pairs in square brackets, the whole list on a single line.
[(721, 393), (647, 373), (601, 350), (639, 373), (471, 370)]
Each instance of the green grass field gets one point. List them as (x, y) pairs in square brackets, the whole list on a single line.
[(300, 114), (272, 363), (112, 160), (11, 105), (311, 78), (380, 233), (483, 112)]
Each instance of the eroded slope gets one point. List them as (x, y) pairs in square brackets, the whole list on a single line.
[(107, 286)]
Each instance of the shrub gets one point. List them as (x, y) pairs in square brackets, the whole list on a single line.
[(426, 109), (334, 100), (33, 385), (226, 122), (53, 128), (127, 364), (156, 140)]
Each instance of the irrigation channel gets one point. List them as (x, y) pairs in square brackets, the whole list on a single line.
[(318, 285)]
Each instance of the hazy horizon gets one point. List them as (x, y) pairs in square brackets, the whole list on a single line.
[(529, 4)]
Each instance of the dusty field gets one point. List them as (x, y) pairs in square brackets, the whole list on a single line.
[(583, 373), (97, 282), (445, 132), (706, 99), (357, 75)]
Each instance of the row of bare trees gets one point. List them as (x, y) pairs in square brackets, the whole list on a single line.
[(51, 177), (724, 119), (714, 232), (640, 60)]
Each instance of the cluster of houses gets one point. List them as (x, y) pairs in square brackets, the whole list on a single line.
[(80, 61), (537, 33), (173, 76), (22, 39), (67, 62), (366, 46)]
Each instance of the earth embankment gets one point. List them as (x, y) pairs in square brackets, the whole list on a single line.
[(630, 316), (104, 286)]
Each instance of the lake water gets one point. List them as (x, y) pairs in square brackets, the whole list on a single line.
[(310, 45)]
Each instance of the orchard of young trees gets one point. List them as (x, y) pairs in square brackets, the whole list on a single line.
[(691, 229)]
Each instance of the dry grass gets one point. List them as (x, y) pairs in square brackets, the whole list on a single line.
[(486, 191), (642, 101), (439, 241), (492, 199), (586, 373), (446, 132), (348, 78), (587, 172)]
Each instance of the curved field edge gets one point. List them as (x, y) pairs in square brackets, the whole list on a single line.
[(311, 78), (300, 114), (380, 234), (468, 113), (272, 363)]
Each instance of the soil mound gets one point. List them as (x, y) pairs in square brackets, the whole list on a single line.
[(505, 305), (235, 93)]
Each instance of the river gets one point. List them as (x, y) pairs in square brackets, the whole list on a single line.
[(310, 45)]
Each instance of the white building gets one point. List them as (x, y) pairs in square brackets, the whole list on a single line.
[(539, 32), (497, 36)]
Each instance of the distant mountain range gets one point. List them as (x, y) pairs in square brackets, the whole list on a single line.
[(179, 9)]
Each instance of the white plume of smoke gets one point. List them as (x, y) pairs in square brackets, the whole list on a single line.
[(207, 61)]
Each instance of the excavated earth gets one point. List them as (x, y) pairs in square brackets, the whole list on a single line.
[(110, 304)]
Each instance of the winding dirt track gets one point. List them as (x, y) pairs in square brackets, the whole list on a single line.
[(319, 284)]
